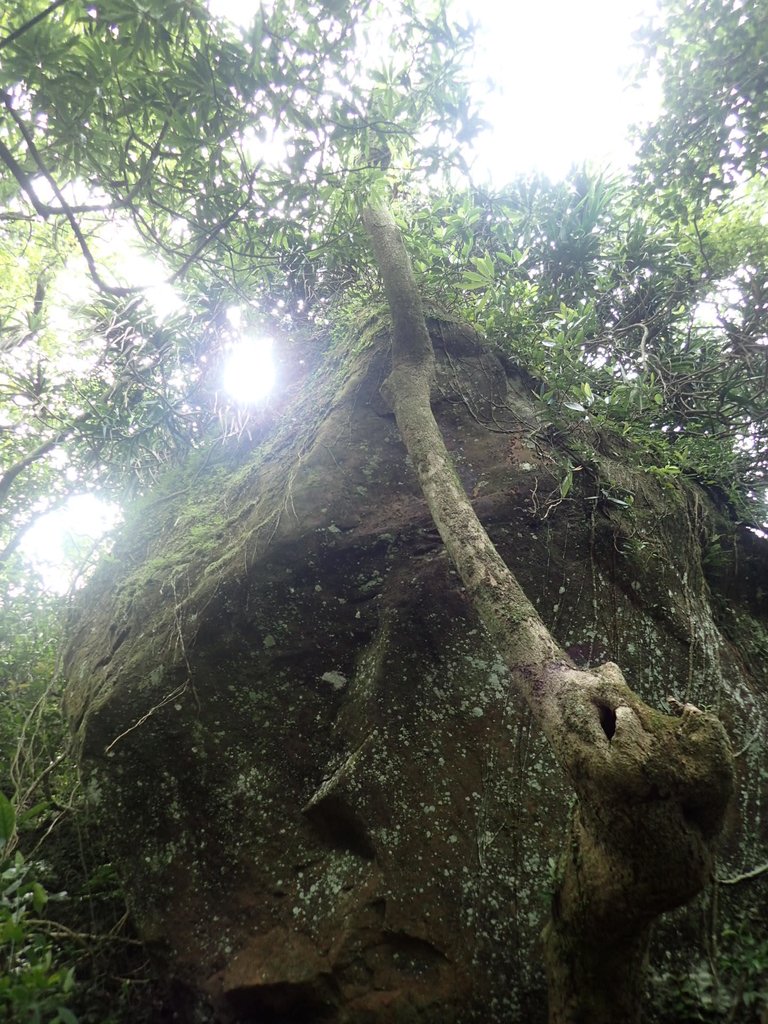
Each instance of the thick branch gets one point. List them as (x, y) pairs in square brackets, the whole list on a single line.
[(45, 209), (411, 344), (19, 531), (747, 876), (9, 477), (504, 609)]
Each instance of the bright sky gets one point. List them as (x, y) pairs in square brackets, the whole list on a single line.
[(559, 68), (560, 97), (59, 546), (249, 373), (563, 96)]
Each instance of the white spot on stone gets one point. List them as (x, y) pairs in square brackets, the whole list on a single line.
[(336, 679)]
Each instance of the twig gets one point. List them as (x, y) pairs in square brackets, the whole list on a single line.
[(745, 877), (61, 930)]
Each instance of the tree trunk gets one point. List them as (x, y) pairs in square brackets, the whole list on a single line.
[(652, 789)]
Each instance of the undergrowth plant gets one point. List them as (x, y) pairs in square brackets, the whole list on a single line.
[(34, 987)]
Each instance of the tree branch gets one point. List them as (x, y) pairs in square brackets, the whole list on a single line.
[(210, 235), (13, 36), (745, 877), (44, 210), (511, 620), (8, 478), (67, 210), (20, 531)]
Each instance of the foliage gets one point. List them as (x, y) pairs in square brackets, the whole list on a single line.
[(713, 130), (630, 321), (732, 987), (744, 963), (64, 954), (66, 951), (237, 158), (234, 158), (31, 988), (28, 641)]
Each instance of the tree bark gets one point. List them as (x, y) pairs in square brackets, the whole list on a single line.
[(652, 789)]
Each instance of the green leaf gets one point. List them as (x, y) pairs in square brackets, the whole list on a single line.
[(472, 281), (39, 896), (29, 816), (65, 1016), (11, 932), (7, 820)]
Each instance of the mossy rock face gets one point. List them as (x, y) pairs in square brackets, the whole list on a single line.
[(324, 799)]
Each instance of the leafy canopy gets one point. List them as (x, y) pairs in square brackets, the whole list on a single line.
[(628, 320), (712, 57), (232, 157), (237, 158)]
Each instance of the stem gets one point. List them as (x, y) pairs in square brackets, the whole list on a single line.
[(507, 614)]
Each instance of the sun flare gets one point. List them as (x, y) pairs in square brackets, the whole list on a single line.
[(62, 543), (249, 371)]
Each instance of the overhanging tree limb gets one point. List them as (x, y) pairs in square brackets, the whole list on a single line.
[(45, 209)]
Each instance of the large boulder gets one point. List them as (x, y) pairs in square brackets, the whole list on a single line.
[(323, 797)]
